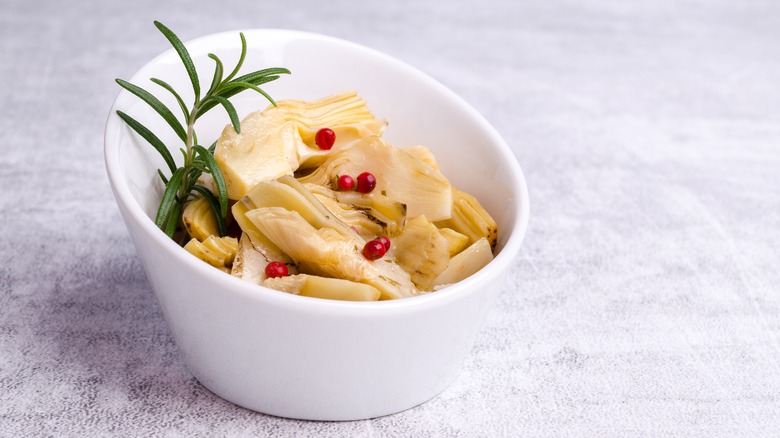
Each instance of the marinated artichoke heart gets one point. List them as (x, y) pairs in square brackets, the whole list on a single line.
[(345, 113), (198, 219), (280, 139), (256, 250), (288, 193), (327, 252), (216, 251), (423, 154), (250, 262), (323, 287), (457, 241), (470, 218), (259, 241), (422, 252), (370, 214), (399, 175), (466, 263), (253, 256)]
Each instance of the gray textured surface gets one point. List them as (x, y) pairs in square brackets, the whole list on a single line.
[(645, 301)]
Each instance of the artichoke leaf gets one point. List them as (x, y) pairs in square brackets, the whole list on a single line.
[(199, 220), (370, 214), (216, 251), (465, 264), (400, 176), (259, 241), (457, 241), (346, 113), (252, 258), (422, 252), (290, 194), (470, 218), (423, 154), (324, 287)]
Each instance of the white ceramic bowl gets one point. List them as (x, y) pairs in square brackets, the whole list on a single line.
[(302, 357)]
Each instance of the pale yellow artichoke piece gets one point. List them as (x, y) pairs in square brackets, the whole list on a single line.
[(466, 263), (423, 154), (259, 241), (345, 113), (199, 220), (400, 176), (324, 287), (264, 150), (288, 193), (327, 252), (252, 258), (457, 241), (279, 139), (250, 263), (216, 251), (370, 214), (470, 218), (422, 252)]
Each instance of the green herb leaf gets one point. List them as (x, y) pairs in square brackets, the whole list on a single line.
[(156, 105), (173, 220), (180, 101), (251, 77), (184, 55), (228, 90), (231, 110), (216, 173), (240, 58), (149, 136), (249, 86), (218, 70), (200, 167), (193, 177), (169, 197)]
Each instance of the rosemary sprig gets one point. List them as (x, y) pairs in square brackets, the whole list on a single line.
[(182, 185)]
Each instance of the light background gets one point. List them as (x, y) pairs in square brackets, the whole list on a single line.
[(645, 301)]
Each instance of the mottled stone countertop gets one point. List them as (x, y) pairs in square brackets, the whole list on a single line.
[(644, 302)]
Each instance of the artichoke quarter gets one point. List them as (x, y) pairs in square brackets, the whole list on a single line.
[(400, 176), (327, 252), (216, 251), (253, 255), (371, 214), (471, 219), (287, 192), (323, 287), (198, 219), (457, 241), (280, 139), (422, 251), (465, 264)]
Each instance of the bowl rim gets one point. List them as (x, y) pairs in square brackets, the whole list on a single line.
[(114, 131)]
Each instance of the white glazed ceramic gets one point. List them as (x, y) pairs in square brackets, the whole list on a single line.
[(302, 357)]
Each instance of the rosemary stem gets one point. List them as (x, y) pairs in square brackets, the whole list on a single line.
[(188, 148)]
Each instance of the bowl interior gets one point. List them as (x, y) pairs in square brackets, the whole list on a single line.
[(420, 111)]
